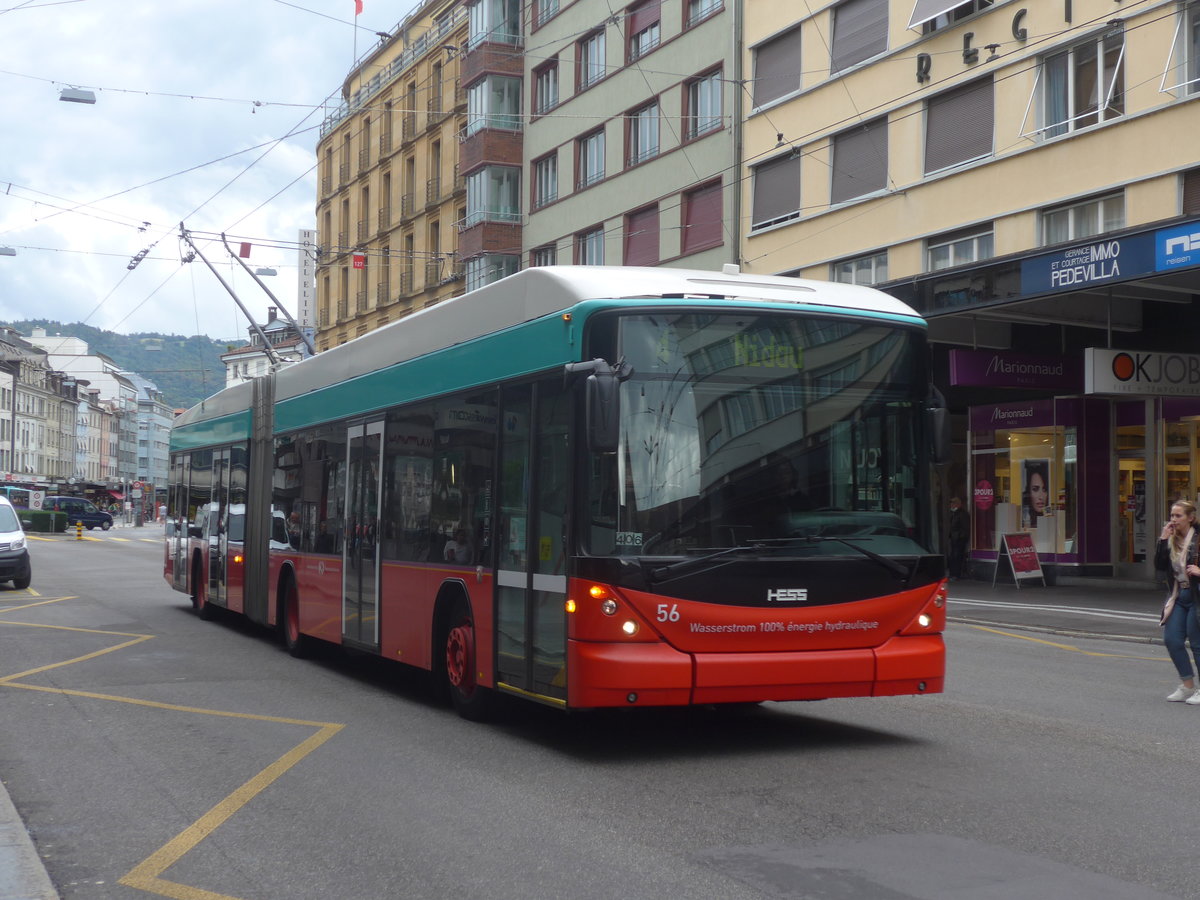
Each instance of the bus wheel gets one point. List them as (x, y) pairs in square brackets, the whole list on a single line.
[(470, 700), (200, 603), (296, 643)]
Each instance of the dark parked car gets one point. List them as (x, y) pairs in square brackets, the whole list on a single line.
[(80, 510)]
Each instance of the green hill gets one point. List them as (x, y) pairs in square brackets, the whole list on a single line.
[(186, 369)]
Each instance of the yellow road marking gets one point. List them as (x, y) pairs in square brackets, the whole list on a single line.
[(1060, 646), (147, 875)]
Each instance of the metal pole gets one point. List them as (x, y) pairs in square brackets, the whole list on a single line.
[(270, 351), (303, 336)]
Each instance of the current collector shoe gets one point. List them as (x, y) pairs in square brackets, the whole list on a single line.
[(1186, 694)]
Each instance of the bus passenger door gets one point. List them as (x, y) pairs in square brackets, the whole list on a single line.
[(531, 581), (360, 559), (218, 532)]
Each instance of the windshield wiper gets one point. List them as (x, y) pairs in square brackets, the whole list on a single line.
[(890, 564), (685, 566)]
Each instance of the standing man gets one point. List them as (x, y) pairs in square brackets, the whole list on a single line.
[(959, 535)]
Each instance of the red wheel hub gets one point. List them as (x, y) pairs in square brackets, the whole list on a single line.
[(460, 657)]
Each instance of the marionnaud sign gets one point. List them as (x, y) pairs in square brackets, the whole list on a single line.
[(1141, 372), (1083, 266), (1004, 368)]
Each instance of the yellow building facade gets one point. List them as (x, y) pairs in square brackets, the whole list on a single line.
[(390, 193), (1026, 175)]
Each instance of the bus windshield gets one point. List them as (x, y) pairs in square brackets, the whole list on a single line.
[(764, 430)]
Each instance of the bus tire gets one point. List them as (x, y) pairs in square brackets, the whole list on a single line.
[(470, 699), (295, 642), (200, 603)]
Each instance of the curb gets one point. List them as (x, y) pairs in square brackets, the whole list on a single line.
[(1064, 632), (23, 875)]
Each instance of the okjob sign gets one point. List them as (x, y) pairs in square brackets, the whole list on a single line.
[(1140, 372), (1086, 265)]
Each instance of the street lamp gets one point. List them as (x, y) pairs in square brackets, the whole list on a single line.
[(76, 95), (265, 271), (7, 251)]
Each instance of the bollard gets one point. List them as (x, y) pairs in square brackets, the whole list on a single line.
[(79, 530)]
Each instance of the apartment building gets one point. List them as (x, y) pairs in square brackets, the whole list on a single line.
[(1025, 176), (390, 193), (633, 127)]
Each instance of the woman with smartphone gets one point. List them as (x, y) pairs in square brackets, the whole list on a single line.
[(1177, 554)]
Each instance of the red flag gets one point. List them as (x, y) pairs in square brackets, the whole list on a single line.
[(244, 251), (358, 6), (360, 261)]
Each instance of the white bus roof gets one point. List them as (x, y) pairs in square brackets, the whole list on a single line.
[(544, 290)]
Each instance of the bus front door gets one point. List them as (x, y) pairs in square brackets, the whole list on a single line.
[(531, 578), (360, 560)]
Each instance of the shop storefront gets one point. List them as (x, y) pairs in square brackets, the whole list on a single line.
[(1070, 375)]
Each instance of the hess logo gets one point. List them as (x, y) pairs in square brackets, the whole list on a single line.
[(787, 595)]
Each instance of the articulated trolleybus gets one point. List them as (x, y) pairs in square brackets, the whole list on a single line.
[(589, 487)]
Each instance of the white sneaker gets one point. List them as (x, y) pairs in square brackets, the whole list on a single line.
[(1186, 694)]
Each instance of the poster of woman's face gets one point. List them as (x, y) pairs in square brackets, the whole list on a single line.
[(1035, 487)]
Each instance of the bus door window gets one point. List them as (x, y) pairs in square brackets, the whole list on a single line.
[(532, 576), (548, 599), (218, 529), (360, 593), (512, 575)]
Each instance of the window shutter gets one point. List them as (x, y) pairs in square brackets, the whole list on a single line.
[(641, 237), (777, 67), (859, 32), (860, 161), (958, 125), (776, 190), (702, 218), (1191, 193), (643, 16)]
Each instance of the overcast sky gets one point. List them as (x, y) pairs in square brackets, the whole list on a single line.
[(206, 113)]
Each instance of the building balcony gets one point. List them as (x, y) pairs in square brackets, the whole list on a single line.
[(360, 302), (433, 191), (383, 294)]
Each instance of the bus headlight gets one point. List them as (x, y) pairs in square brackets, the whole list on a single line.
[(609, 607), (630, 627), (923, 620)]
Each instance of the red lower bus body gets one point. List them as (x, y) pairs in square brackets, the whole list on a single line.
[(679, 652)]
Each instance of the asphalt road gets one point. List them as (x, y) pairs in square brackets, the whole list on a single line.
[(152, 754)]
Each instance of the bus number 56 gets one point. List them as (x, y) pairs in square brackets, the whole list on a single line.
[(668, 613)]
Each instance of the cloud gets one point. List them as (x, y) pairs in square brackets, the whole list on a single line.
[(193, 100)]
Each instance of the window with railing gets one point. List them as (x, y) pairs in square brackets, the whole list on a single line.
[(497, 21), (545, 88), (590, 159), (545, 180), (589, 56), (642, 140), (543, 11), (589, 247), (702, 100), (490, 267), (494, 102), (644, 29), (493, 195), (699, 10)]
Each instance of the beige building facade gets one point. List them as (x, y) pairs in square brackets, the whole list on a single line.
[(389, 190), (1022, 174)]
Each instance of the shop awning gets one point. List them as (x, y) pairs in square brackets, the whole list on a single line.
[(927, 10), (116, 495)]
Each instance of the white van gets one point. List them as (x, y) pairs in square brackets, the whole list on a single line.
[(14, 555)]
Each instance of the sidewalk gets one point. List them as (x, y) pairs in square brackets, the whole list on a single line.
[(1084, 607), (1096, 608)]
